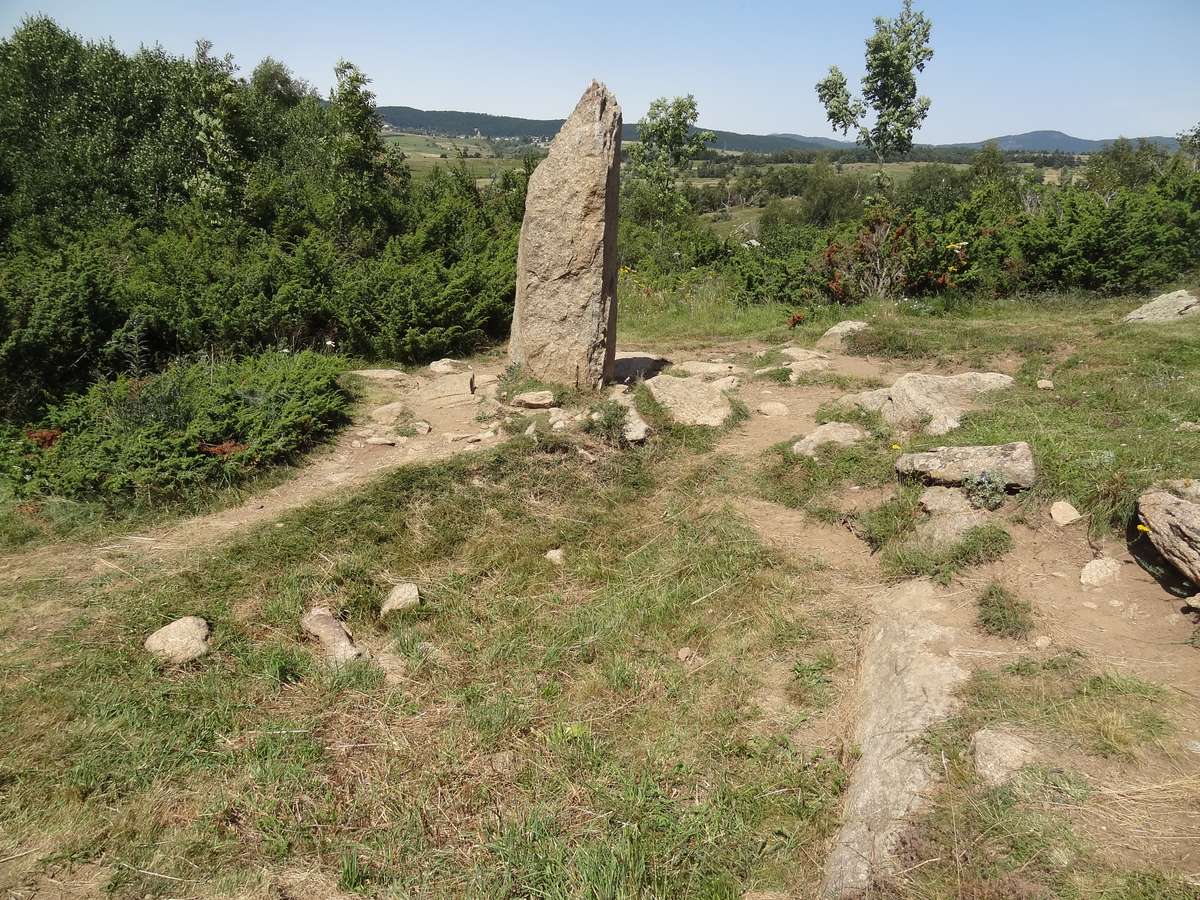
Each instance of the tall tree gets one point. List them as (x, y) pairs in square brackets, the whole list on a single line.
[(667, 143), (896, 52)]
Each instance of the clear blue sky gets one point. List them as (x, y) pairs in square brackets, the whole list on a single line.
[(1093, 68)]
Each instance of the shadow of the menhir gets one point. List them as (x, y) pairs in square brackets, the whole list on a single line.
[(1170, 579), (631, 369)]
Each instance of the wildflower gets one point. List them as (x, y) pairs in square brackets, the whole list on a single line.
[(1145, 529), (895, 446)]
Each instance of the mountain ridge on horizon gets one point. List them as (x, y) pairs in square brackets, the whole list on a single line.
[(453, 122)]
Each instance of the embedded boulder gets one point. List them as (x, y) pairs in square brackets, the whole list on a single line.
[(951, 516), (843, 434), (699, 367), (999, 755), (1012, 463), (693, 401), (936, 402), (1167, 308), (1171, 510), (334, 637), (564, 325), (835, 338)]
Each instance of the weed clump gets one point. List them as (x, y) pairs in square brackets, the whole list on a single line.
[(1003, 614)]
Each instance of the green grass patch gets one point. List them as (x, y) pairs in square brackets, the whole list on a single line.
[(1004, 614), (985, 543)]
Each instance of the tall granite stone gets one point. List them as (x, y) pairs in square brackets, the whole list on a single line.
[(565, 322)]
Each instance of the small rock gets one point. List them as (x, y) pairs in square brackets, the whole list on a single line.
[(557, 556), (403, 596), (685, 653), (773, 408), (1189, 427), (446, 366), (1193, 746), (421, 427), (1045, 384), (1000, 755), (381, 442), (585, 455), (179, 642), (357, 445), (1042, 642), (389, 413), (560, 425), (334, 637), (531, 430), (1063, 513), (835, 338), (841, 433), (1100, 572), (535, 400)]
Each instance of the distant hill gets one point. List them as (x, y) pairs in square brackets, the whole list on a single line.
[(452, 122), (1050, 141)]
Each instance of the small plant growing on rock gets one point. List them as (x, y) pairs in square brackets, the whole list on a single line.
[(986, 490)]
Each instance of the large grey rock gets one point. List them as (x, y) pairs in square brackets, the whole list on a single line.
[(334, 637), (1167, 308), (693, 401), (1171, 511), (835, 338), (936, 401), (906, 683), (180, 641), (843, 434), (950, 465), (446, 366), (564, 326), (999, 755)]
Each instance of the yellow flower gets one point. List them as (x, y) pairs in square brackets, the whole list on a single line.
[(895, 446), (1144, 528)]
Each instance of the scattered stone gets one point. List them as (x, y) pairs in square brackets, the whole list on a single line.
[(1171, 510), (685, 653), (357, 445), (835, 338), (402, 597), (636, 428), (999, 755), (1100, 572), (696, 367), (393, 666), (937, 401), (1045, 384), (334, 637), (446, 366), (950, 465), (1189, 426), (564, 325), (535, 400), (559, 425), (180, 641), (531, 431), (421, 427), (558, 556), (377, 441), (841, 433), (1063, 513), (692, 401), (907, 682), (1042, 642), (1167, 308), (773, 409)]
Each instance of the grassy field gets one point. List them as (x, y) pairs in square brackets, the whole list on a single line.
[(597, 729), (427, 152)]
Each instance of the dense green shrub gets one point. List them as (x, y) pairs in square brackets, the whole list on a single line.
[(200, 423)]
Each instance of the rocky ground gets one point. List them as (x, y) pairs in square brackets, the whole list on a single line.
[(777, 565)]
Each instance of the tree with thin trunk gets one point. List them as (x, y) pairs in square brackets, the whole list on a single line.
[(896, 52)]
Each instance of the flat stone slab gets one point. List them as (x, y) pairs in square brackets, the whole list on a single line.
[(842, 434), (1167, 308), (180, 641), (534, 400), (693, 401), (935, 403), (402, 597), (699, 367), (906, 683), (951, 465), (1100, 572), (999, 755)]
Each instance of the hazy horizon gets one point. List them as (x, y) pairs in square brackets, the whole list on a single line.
[(1095, 70)]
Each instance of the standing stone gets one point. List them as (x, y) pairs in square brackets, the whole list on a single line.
[(565, 322)]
